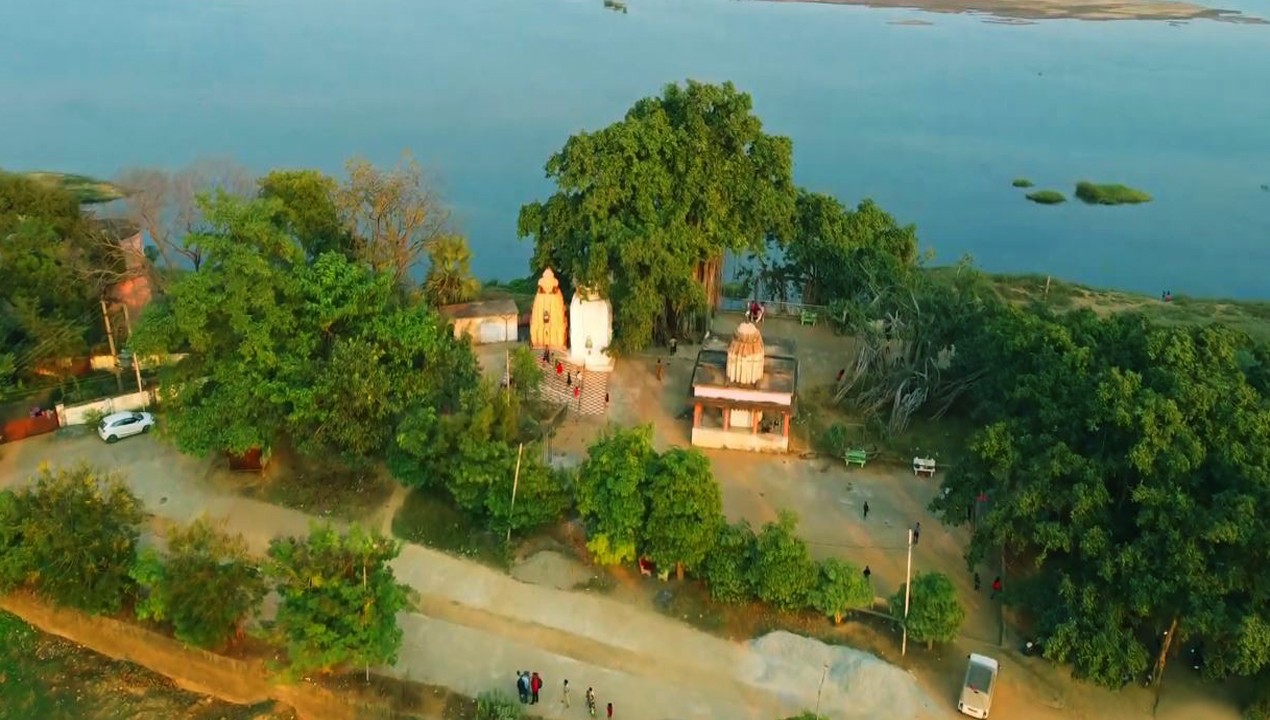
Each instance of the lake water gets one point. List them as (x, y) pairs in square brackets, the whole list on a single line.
[(931, 121)]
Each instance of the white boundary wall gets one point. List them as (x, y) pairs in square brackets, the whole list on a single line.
[(77, 414)]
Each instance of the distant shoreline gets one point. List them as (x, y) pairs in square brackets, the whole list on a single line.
[(1098, 10)]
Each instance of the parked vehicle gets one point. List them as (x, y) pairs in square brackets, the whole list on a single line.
[(122, 424), (976, 690)]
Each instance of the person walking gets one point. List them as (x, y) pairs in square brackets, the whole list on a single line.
[(610, 709), (917, 532), (866, 509), (564, 694), (559, 368), (867, 572), (976, 582), (996, 587), (674, 345), (535, 684), (568, 379), (660, 370), (522, 685), (590, 701)]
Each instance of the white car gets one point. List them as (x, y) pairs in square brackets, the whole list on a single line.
[(122, 424)]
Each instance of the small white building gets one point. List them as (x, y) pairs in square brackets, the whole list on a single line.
[(485, 321), (743, 393), (590, 331)]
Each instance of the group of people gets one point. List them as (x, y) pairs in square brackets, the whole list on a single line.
[(756, 312), (529, 685)]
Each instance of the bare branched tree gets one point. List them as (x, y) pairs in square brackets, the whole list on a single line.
[(395, 216), (165, 204)]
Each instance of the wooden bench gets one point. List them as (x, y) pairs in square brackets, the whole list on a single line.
[(807, 317), (855, 456), (924, 465)]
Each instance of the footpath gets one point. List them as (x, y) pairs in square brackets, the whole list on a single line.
[(473, 627)]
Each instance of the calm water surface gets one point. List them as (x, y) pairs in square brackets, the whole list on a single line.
[(931, 121)]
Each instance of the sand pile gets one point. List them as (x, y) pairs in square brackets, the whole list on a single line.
[(858, 684), (551, 569)]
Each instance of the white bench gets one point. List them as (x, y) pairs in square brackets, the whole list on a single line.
[(924, 465)]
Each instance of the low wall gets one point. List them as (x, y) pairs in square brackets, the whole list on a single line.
[(78, 414), (731, 440), (244, 682)]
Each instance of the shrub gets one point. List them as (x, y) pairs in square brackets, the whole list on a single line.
[(1259, 708), (783, 573), (1047, 197), (1022, 183), (1109, 194), (524, 372), (338, 599), (685, 510), (207, 586), (93, 418), (610, 492), (497, 705), (727, 566), (839, 588), (76, 536), (835, 440), (934, 615)]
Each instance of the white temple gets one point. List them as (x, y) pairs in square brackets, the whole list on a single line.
[(590, 331)]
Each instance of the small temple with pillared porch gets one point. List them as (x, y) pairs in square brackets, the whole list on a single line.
[(743, 392)]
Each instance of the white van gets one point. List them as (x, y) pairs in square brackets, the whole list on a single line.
[(976, 691)]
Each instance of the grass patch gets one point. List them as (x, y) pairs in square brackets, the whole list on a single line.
[(1047, 197), (87, 190), (331, 489), (1109, 194), (428, 518), (1022, 183)]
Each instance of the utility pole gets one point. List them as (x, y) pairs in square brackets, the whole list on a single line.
[(114, 356), (823, 673), (515, 482), (908, 585), (136, 360)]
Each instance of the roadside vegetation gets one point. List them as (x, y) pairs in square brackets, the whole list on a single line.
[(1109, 194)]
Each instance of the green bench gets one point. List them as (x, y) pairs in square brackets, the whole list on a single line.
[(855, 456), (807, 317)]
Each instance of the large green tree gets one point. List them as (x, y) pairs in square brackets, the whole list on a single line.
[(840, 587), (206, 585), (1128, 463), (727, 566), (610, 492), (307, 210), (326, 353), (685, 510), (646, 208), (338, 599), (783, 572), (934, 615), (72, 537)]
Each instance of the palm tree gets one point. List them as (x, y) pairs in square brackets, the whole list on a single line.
[(450, 280)]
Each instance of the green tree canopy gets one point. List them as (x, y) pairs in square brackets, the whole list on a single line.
[(727, 566), (646, 208), (1128, 462), (610, 492), (828, 241), (783, 573), (339, 599), (934, 615), (72, 537), (307, 211), (326, 353), (206, 586), (685, 510), (840, 587)]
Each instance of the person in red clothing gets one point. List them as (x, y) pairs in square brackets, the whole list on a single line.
[(559, 368), (996, 587), (535, 684), (610, 710)]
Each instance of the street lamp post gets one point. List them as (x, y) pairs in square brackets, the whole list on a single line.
[(823, 673), (908, 583)]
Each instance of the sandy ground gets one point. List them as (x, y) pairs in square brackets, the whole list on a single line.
[(1061, 9)]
